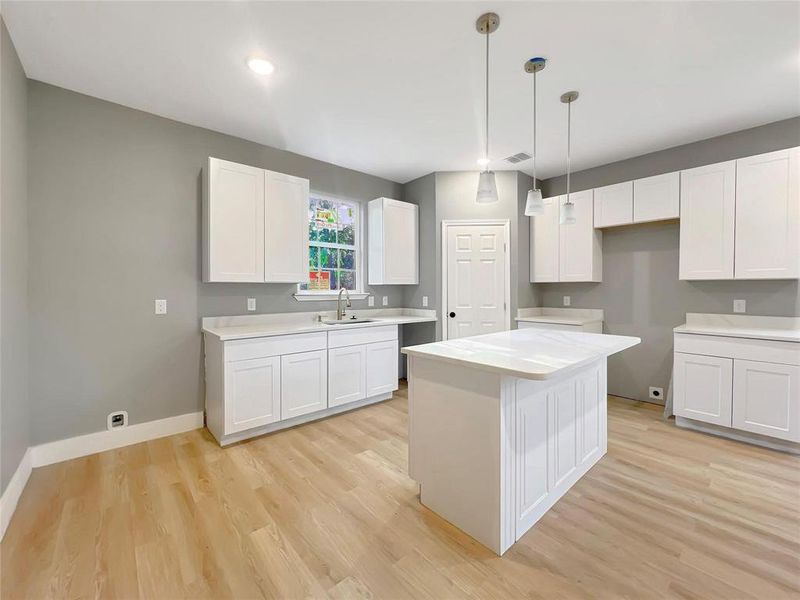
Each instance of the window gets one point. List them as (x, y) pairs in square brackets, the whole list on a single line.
[(334, 252)]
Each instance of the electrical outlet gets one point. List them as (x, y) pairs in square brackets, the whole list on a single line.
[(739, 306), (567, 300), (370, 300), (385, 301), (656, 393), (251, 304), (117, 420), (424, 301), (161, 306)]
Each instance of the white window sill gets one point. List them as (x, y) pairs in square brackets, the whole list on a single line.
[(326, 296)]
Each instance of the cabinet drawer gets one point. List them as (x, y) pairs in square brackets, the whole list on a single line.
[(556, 326), (787, 353), (362, 335), (275, 345)]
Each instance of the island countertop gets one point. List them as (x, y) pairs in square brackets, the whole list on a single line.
[(525, 353)]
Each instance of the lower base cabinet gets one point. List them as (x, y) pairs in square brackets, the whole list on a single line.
[(347, 374), (703, 387), (304, 383), (382, 363), (766, 399), (253, 390)]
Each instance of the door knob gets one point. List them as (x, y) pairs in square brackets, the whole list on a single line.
[(452, 314)]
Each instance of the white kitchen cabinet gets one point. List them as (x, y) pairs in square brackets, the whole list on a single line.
[(766, 399), (304, 383), (382, 367), (255, 225), (656, 198), (233, 222), (544, 243), (347, 374), (580, 248), (767, 236), (566, 252), (613, 204), (393, 242), (286, 228), (702, 388), (253, 393), (707, 208)]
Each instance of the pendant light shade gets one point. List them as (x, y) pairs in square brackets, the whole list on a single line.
[(487, 188), (567, 212), (534, 205)]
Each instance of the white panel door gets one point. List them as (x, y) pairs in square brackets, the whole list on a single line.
[(657, 198), (544, 243), (703, 388), (534, 459), (766, 399), (476, 280), (613, 204), (401, 242), (347, 375), (252, 393), (768, 216), (580, 245), (592, 423), (708, 198), (234, 222), (304, 383), (286, 228), (382, 367)]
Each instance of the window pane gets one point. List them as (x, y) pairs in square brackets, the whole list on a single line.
[(312, 231), (325, 212), (313, 258), (327, 258), (347, 214), (347, 235), (347, 259), (327, 234), (333, 278), (347, 279)]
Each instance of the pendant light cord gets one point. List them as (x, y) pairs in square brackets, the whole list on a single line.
[(486, 156), (534, 130), (569, 145)]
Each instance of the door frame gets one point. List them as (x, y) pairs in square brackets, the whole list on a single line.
[(506, 223)]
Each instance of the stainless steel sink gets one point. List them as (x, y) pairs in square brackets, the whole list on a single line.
[(347, 321)]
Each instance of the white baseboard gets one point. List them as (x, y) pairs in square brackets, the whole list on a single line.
[(10, 497), (92, 443)]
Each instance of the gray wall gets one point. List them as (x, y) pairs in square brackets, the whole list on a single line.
[(640, 291), (115, 223), (14, 413)]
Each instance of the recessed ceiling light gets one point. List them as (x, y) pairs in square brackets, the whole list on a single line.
[(260, 65), (482, 162)]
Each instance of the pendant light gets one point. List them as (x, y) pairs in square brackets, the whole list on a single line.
[(487, 186), (534, 205), (568, 208)]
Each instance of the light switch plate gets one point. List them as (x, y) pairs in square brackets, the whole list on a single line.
[(370, 300), (567, 300), (161, 306), (739, 306), (251, 304), (424, 301), (385, 301)]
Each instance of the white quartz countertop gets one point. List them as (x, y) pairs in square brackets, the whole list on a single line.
[(560, 316), (525, 353), (782, 329), (251, 326)]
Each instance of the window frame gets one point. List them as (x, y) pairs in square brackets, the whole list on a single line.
[(359, 293)]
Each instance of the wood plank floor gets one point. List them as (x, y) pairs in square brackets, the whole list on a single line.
[(327, 510)]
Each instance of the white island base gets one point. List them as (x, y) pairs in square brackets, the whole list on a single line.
[(493, 451)]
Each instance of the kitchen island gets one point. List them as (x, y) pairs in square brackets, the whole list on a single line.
[(502, 425)]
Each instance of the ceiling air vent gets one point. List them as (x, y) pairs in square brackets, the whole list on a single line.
[(518, 158)]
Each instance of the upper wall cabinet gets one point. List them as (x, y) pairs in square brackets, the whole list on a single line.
[(657, 198), (708, 203), (767, 239), (566, 252), (393, 242), (254, 225), (613, 205)]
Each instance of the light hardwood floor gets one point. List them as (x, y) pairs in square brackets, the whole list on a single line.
[(327, 510)]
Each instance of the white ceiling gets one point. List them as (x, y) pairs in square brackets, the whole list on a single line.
[(395, 88)]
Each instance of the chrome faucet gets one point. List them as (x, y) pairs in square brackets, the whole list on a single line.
[(340, 312)]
